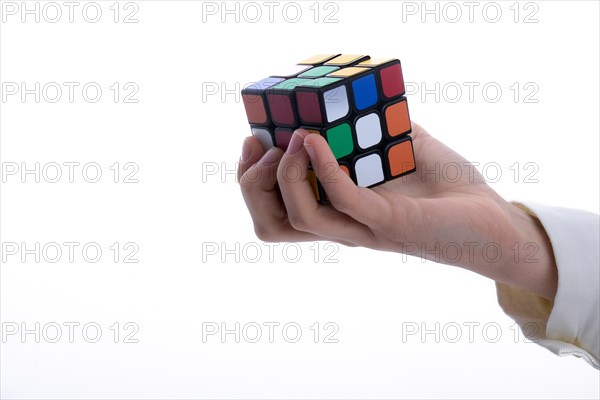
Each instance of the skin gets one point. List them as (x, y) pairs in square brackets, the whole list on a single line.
[(460, 222)]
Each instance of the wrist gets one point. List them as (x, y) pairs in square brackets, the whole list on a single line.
[(535, 267)]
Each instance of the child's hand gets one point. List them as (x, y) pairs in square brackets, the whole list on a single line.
[(458, 221)]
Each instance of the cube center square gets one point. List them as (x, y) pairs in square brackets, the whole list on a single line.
[(355, 102)]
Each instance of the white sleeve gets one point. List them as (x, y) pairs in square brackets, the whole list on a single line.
[(570, 325)]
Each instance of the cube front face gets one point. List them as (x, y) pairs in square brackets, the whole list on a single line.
[(369, 131), (356, 103), (340, 140), (369, 169), (365, 92)]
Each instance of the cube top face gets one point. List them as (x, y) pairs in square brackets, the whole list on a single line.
[(374, 62), (263, 84), (321, 82), (318, 59), (291, 84), (348, 72), (356, 103), (318, 72), (347, 59), (292, 71)]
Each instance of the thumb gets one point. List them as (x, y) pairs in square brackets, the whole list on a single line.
[(362, 204)]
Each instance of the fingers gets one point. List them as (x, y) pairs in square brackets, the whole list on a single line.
[(304, 212), (259, 190), (257, 175), (252, 151), (295, 215), (362, 204)]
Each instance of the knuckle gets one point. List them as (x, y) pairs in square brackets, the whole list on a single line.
[(340, 204), (245, 183), (253, 176), (264, 233), (299, 221), (245, 180)]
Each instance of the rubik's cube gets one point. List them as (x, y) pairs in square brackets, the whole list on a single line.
[(356, 103)]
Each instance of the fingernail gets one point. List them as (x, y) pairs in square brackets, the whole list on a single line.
[(270, 157), (296, 143), (246, 150), (312, 153)]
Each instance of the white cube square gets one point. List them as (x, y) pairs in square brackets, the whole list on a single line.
[(368, 130), (336, 103), (264, 136), (369, 170)]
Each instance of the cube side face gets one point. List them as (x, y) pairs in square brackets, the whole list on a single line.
[(281, 105), (255, 101), (310, 106), (400, 158), (282, 137), (256, 108), (264, 134), (397, 118), (281, 100)]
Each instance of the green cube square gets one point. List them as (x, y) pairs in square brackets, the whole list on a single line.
[(340, 140)]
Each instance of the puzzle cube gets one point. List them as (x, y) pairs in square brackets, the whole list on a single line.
[(356, 103)]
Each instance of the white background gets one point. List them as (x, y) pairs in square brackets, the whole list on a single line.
[(179, 128)]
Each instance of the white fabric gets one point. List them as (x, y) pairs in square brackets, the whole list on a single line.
[(571, 325)]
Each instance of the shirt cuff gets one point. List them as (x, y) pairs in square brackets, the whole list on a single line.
[(570, 325)]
